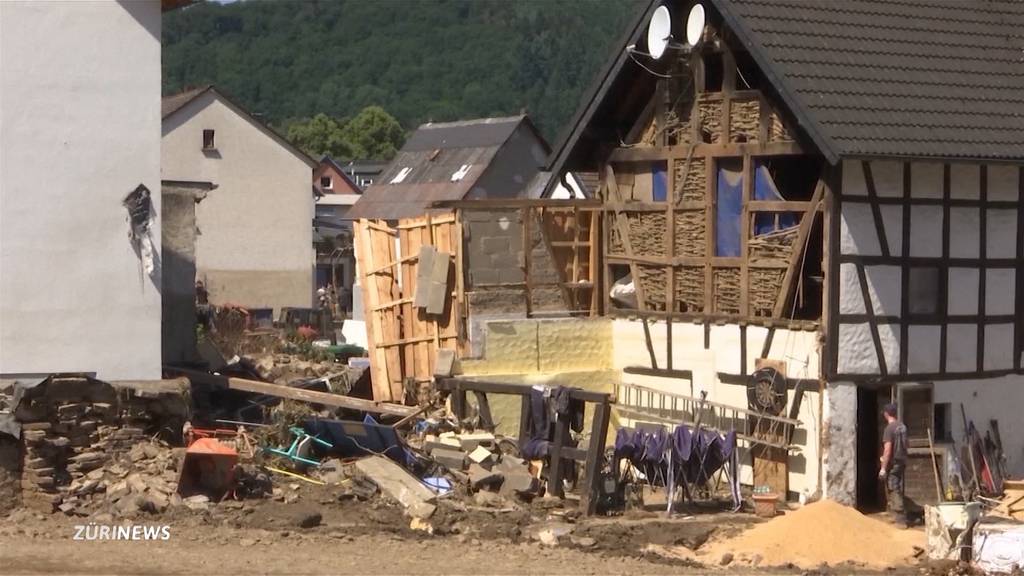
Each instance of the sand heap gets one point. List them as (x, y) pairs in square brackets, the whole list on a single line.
[(824, 532)]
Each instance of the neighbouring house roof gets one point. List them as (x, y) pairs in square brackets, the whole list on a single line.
[(171, 105), (937, 79), (423, 171), (328, 161)]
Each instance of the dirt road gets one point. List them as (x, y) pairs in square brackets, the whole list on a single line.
[(204, 550)]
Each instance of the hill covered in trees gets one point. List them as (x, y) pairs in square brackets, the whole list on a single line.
[(419, 60)]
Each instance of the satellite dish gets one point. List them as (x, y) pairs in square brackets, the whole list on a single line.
[(694, 25), (658, 32)]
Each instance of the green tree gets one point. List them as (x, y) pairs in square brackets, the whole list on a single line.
[(320, 135), (374, 134)]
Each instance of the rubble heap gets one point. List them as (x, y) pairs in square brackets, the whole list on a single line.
[(80, 451)]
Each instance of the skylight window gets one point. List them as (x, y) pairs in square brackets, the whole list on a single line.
[(401, 175), (461, 172)]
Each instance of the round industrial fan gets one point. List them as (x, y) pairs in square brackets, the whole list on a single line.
[(766, 391)]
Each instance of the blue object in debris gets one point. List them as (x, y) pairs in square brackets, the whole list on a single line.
[(438, 484)]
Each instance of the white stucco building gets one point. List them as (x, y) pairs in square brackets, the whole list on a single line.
[(255, 243), (79, 132)]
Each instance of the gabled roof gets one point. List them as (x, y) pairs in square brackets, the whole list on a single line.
[(911, 78), (921, 78), (326, 159), (171, 105), (430, 158)]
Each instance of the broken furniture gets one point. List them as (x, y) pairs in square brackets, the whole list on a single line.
[(300, 447), (560, 453)]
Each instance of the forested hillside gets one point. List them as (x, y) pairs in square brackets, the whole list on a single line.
[(418, 59)]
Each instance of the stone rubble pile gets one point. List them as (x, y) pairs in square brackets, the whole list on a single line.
[(81, 453)]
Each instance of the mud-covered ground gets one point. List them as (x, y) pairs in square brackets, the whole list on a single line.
[(316, 533)]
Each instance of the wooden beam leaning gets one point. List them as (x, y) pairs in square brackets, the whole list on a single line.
[(806, 223), (622, 226)]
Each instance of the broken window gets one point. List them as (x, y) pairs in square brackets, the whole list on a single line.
[(765, 189), (326, 183), (208, 142)]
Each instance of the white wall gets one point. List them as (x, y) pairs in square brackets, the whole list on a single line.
[(859, 235), (799, 349), (79, 130), (987, 399), (255, 246)]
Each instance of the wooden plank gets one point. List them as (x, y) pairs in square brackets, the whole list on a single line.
[(407, 228), (876, 209), (378, 362), (872, 322), (622, 225), (746, 198), (526, 216), (374, 225), (594, 232), (545, 236), (796, 260), (459, 312), (288, 392), (982, 271), (497, 203), (778, 205), (735, 149), (710, 185)]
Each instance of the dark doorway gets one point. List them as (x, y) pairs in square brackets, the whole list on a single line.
[(870, 496)]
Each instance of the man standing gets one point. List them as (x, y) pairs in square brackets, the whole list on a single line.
[(894, 462)]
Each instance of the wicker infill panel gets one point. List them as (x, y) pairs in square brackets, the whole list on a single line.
[(777, 131), (711, 120), (773, 246), (615, 246), (765, 284), (726, 282), (690, 234), (647, 233), (744, 120), (690, 180), (677, 129), (689, 288), (652, 282)]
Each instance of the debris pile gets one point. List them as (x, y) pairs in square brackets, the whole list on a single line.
[(824, 532)]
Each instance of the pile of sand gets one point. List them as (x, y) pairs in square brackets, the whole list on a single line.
[(824, 532)]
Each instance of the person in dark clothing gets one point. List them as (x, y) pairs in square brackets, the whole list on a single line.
[(894, 463)]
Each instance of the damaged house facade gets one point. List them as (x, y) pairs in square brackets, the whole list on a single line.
[(811, 209), (255, 242), (80, 286)]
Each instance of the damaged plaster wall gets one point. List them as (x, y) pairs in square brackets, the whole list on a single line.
[(80, 132), (839, 443), (178, 329), (799, 349), (255, 244)]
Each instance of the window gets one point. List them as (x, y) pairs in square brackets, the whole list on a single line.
[(326, 183), (923, 290), (208, 142)]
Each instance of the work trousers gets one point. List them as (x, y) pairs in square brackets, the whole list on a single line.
[(894, 487)]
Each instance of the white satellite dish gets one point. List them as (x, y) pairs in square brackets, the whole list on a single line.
[(659, 30), (694, 25)]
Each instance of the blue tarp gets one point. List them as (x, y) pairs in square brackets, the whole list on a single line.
[(764, 189), (729, 209), (659, 181)]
